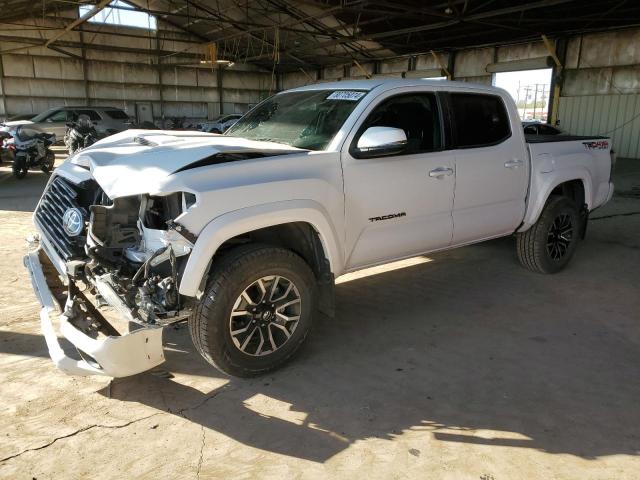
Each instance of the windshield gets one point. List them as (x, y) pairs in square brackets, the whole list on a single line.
[(308, 119), (27, 132), (41, 116)]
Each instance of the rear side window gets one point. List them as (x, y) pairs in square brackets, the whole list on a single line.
[(479, 120), (59, 116), (93, 116), (117, 114)]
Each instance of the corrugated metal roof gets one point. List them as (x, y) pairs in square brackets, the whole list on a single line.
[(312, 34)]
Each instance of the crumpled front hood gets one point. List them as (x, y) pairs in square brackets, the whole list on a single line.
[(140, 161)]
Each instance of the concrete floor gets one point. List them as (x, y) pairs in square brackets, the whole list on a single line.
[(460, 365)]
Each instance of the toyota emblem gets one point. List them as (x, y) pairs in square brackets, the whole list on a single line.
[(73, 222)]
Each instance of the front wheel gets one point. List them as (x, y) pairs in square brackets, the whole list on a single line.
[(256, 312), (48, 162), (548, 245)]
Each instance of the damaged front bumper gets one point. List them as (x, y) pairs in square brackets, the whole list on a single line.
[(112, 356)]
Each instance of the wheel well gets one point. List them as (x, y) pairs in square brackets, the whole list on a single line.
[(573, 189), (301, 238)]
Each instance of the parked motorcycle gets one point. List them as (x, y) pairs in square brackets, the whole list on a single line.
[(31, 148), (6, 146), (80, 134)]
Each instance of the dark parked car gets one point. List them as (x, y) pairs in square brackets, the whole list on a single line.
[(539, 128)]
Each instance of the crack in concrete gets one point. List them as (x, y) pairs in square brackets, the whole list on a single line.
[(76, 432), (198, 405), (90, 427), (204, 434)]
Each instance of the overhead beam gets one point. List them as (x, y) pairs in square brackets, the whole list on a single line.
[(437, 25), (72, 44), (239, 27), (79, 21)]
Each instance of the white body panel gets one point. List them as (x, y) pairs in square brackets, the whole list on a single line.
[(365, 211), (491, 185), (559, 162), (493, 191), (395, 185)]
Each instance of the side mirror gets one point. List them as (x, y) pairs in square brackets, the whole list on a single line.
[(380, 141)]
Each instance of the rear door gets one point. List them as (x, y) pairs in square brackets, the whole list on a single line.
[(491, 167)]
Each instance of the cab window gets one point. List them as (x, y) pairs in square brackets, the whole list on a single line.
[(479, 120), (415, 113)]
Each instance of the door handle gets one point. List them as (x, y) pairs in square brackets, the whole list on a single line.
[(515, 163), (440, 172)]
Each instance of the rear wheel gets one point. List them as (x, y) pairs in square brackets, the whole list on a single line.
[(547, 247), (256, 312), (19, 167)]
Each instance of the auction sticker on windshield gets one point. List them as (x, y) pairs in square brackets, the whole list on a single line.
[(350, 95)]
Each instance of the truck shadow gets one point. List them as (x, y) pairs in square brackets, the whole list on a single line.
[(473, 350)]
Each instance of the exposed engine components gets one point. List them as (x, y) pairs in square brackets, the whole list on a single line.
[(157, 297), (133, 252)]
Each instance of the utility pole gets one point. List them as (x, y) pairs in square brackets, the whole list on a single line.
[(526, 101)]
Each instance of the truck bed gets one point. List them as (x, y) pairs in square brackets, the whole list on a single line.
[(558, 138)]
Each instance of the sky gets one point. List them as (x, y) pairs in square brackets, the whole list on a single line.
[(509, 80), (121, 17)]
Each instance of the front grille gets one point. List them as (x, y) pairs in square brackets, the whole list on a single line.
[(57, 199)]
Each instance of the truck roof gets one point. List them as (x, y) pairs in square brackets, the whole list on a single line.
[(389, 83)]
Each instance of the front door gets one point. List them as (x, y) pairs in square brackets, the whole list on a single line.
[(57, 123), (400, 205)]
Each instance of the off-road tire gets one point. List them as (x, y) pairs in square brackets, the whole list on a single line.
[(532, 244), (230, 276)]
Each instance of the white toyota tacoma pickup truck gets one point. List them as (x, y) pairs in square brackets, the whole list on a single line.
[(243, 234)]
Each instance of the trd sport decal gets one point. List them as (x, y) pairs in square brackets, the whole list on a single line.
[(388, 217), (599, 145)]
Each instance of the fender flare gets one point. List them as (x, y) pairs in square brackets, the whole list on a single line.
[(545, 184), (245, 220)]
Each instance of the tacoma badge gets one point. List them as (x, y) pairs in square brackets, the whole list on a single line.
[(388, 217)]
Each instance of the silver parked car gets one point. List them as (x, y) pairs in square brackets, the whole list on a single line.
[(106, 120), (222, 124)]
